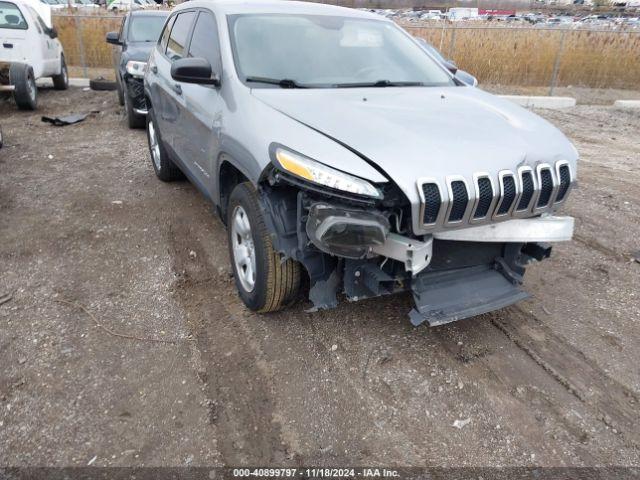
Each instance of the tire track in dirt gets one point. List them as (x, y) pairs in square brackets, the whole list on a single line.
[(614, 404), (235, 378)]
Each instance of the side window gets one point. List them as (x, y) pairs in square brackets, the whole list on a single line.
[(179, 35), (204, 42), (11, 17), (38, 23), (164, 39)]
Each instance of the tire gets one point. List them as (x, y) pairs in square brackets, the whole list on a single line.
[(25, 93), (101, 85), (61, 82), (120, 92), (165, 169), (275, 283), (133, 119)]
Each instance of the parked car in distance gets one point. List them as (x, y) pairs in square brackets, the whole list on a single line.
[(139, 32), (54, 4), (127, 5), (333, 145), (80, 4), (29, 50)]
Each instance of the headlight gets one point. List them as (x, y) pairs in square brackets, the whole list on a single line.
[(136, 69), (316, 172)]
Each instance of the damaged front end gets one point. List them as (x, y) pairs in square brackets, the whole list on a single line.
[(364, 247)]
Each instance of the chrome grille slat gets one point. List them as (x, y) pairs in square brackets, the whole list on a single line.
[(563, 175), (508, 193), (459, 201), (545, 180), (527, 186), (432, 203)]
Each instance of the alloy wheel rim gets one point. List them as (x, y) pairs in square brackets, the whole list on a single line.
[(244, 253), (155, 147)]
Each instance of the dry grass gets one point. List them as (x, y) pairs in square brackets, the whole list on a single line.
[(526, 56), (496, 55), (90, 32)]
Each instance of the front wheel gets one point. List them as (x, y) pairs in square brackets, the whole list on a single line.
[(61, 82), (134, 120), (120, 91), (265, 282)]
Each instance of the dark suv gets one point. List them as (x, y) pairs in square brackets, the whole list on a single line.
[(138, 35)]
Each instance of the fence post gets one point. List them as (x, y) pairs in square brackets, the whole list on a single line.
[(442, 36), (452, 45), (556, 64), (83, 62)]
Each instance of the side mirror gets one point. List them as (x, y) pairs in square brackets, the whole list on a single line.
[(449, 65), (53, 33), (194, 70), (466, 78), (113, 38)]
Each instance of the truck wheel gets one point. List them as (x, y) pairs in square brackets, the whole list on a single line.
[(120, 91), (61, 82), (265, 283), (133, 119), (26, 92), (163, 166)]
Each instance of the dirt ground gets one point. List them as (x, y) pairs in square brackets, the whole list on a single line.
[(553, 381)]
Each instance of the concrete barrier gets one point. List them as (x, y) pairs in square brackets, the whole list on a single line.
[(541, 102), (627, 104)]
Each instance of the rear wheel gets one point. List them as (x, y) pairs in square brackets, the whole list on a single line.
[(61, 82), (163, 166), (265, 282), (25, 93)]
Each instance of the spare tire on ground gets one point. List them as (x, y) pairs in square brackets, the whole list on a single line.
[(102, 84)]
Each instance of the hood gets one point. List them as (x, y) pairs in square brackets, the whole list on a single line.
[(436, 132), (138, 51)]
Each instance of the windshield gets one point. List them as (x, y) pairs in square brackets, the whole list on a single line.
[(323, 52), (146, 29), (11, 17)]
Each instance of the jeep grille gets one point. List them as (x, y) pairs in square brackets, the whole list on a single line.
[(527, 192)]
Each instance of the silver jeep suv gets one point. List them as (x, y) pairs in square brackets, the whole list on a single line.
[(334, 145)]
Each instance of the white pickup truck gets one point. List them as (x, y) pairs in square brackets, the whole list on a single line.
[(29, 50)]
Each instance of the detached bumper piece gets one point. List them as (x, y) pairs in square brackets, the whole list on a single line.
[(454, 295)]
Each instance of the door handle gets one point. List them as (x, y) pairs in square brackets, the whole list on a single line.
[(177, 88), (154, 69)]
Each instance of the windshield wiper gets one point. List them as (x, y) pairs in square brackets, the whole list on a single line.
[(282, 83), (378, 84)]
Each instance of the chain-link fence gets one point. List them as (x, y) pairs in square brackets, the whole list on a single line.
[(540, 56), (496, 55)]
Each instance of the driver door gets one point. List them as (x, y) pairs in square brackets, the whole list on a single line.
[(203, 106)]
